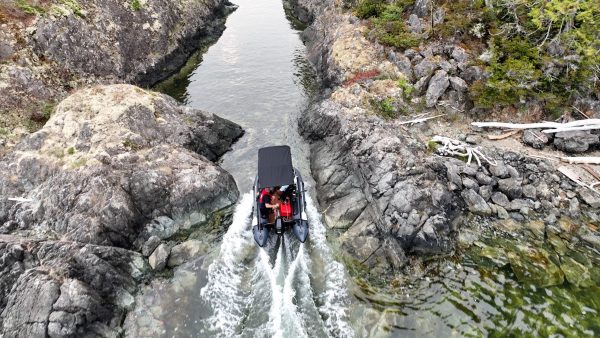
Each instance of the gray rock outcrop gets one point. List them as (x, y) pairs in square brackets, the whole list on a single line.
[(67, 45), (109, 163)]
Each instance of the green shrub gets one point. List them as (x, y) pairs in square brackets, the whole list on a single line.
[(407, 88), (71, 151), (369, 8), (48, 109), (385, 108)]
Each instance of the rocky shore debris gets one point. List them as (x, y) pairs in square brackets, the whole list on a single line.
[(92, 186), (379, 183), (570, 137)]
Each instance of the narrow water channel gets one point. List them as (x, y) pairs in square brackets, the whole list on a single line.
[(256, 75)]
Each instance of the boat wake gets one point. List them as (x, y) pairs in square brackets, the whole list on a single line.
[(299, 293)]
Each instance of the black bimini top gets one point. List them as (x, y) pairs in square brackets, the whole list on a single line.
[(275, 167)]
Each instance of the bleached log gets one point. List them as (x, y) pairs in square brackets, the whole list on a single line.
[(580, 160), (20, 199), (558, 130), (540, 125), (420, 120)]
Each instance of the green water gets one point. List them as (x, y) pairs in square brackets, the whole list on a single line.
[(477, 293)]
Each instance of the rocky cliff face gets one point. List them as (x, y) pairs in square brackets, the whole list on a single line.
[(115, 166), (378, 181), (48, 50)]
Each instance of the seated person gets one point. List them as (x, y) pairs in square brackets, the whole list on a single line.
[(267, 205)]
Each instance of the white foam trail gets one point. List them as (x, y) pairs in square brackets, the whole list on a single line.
[(283, 315), (222, 290), (335, 298)]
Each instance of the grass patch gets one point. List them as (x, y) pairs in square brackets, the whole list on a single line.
[(136, 5), (4, 132), (48, 110), (30, 8), (386, 108), (407, 88), (74, 6)]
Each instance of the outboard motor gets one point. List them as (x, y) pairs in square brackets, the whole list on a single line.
[(279, 226)]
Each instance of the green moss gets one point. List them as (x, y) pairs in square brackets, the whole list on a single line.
[(74, 6), (432, 146), (71, 151), (28, 8), (4, 132), (48, 110), (136, 5), (131, 145), (407, 88), (385, 108)]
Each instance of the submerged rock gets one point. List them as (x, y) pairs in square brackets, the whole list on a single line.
[(187, 251), (534, 266)]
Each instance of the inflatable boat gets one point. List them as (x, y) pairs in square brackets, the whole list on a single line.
[(282, 183)]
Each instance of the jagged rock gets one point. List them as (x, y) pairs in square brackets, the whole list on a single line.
[(453, 175), (158, 259), (150, 245), (476, 203), (109, 160), (421, 85), (187, 251), (438, 15), (535, 138), (499, 170), (414, 23), (458, 84), (426, 67), (404, 66), (473, 139), (511, 187), (422, 8), (115, 157), (459, 54), (529, 191), (437, 86), (88, 290), (519, 204), (484, 179), (486, 192), (473, 73), (145, 50), (577, 141), (500, 199), (501, 213), (55, 55), (590, 197), (469, 183)]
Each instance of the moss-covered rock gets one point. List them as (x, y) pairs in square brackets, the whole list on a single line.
[(534, 266)]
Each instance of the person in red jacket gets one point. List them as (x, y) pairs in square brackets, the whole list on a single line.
[(267, 206)]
